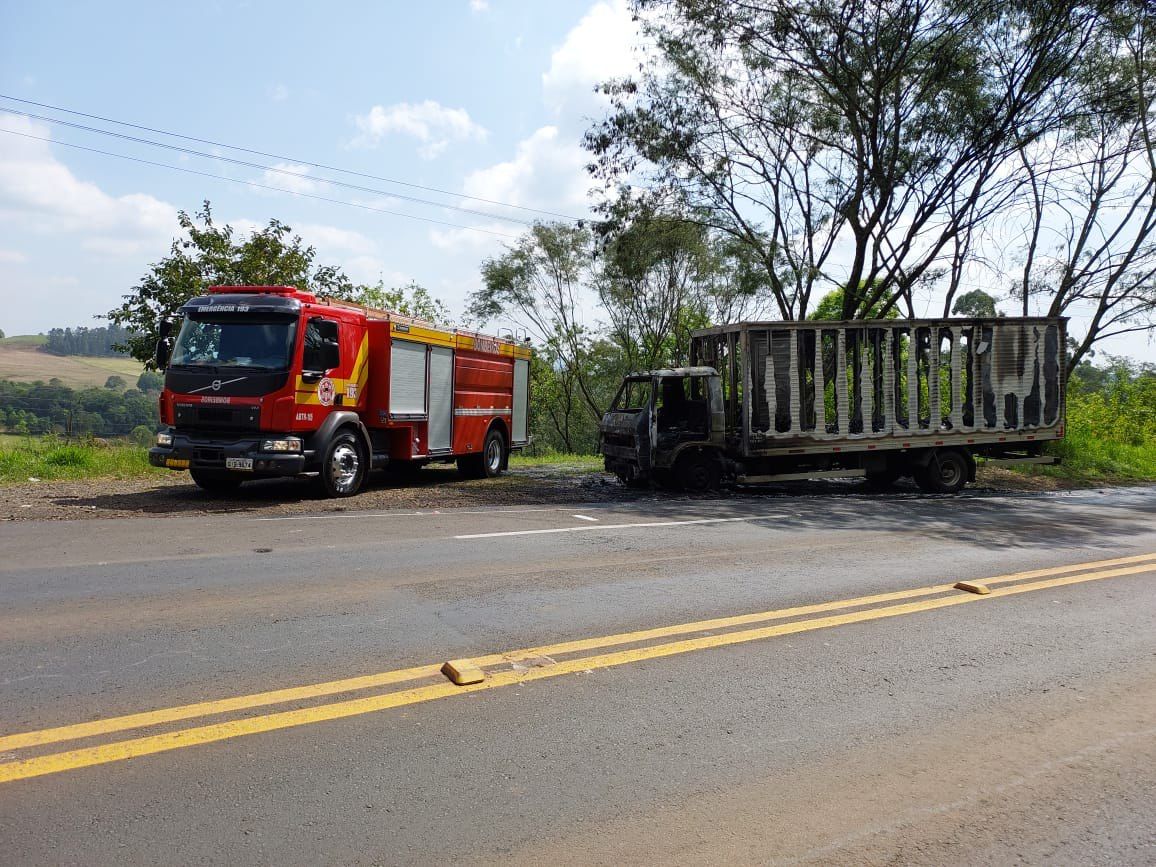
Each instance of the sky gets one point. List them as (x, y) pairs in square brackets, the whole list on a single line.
[(481, 99)]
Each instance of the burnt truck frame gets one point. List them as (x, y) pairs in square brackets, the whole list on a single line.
[(779, 401)]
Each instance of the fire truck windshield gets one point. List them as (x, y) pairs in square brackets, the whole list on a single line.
[(264, 344)]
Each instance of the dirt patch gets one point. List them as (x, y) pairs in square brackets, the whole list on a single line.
[(431, 488)]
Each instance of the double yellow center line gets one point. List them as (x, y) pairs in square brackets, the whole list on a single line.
[(512, 667)]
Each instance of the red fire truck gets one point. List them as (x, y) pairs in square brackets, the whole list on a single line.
[(272, 381)]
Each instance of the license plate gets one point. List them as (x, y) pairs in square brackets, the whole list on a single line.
[(238, 463), (177, 463)]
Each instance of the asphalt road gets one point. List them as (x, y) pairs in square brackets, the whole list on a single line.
[(844, 703)]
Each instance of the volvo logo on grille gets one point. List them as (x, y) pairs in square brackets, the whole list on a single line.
[(216, 385)]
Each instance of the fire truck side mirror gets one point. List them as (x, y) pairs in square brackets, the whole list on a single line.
[(164, 346)]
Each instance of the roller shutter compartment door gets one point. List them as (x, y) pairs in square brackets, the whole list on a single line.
[(441, 397), (521, 398), (407, 379)]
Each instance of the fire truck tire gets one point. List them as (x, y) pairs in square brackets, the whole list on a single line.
[(945, 473), (215, 481), (490, 462), (344, 466)]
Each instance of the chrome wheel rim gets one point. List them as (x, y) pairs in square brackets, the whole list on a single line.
[(494, 454), (343, 467)]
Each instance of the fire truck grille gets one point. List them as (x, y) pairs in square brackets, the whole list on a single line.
[(192, 415)]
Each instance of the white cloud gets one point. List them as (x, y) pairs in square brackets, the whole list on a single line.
[(479, 6), (431, 123), (279, 93), (335, 238), (547, 172), (41, 194), (12, 257), (600, 46), (472, 241)]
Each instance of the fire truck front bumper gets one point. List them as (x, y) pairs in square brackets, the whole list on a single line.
[(263, 455)]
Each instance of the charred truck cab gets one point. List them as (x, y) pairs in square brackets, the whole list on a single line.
[(880, 399), (666, 425), (267, 381)]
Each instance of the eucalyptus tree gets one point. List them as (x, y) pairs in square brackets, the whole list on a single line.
[(842, 142)]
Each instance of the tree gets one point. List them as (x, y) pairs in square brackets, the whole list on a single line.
[(1090, 196), (824, 133), (537, 283), (831, 306), (1, 333), (150, 380), (115, 383), (409, 300), (207, 254), (976, 304), (662, 275)]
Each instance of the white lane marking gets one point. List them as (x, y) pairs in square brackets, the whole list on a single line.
[(444, 513), (584, 517), (647, 524)]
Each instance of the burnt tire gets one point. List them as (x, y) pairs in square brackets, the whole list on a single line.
[(699, 472), (881, 480), (343, 466), (216, 481), (946, 473), (490, 462)]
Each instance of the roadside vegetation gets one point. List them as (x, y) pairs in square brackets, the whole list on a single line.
[(50, 458), (1111, 430)]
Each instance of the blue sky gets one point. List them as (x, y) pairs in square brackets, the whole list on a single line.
[(488, 99)]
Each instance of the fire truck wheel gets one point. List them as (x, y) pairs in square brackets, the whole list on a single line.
[(490, 462), (215, 481), (343, 467)]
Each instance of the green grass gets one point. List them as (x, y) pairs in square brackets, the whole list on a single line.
[(551, 458), (48, 458), (1092, 459)]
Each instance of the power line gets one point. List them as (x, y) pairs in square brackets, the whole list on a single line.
[(273, 156), (256, 185), (273, 169)]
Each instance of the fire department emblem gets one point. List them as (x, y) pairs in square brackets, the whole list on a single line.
[(326, 391)]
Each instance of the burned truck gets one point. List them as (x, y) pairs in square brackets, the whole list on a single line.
[(882, 399)]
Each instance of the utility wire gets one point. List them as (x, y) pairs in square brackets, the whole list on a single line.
[(310, 163), (273, 169), (256, 185)]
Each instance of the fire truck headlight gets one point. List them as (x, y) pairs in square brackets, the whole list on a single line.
[(288, 444), (164, 439)]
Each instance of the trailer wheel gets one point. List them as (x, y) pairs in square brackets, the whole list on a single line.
[(945, 473), (343, 467), (215, 481), (699, 471), (490, 462)]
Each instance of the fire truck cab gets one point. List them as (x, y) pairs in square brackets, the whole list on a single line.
[(265, 381)]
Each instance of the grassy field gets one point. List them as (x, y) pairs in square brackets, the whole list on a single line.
[(22, 361), (47, 458)]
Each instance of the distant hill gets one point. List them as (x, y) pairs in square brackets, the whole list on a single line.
[(24, 340), (23, 360)]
